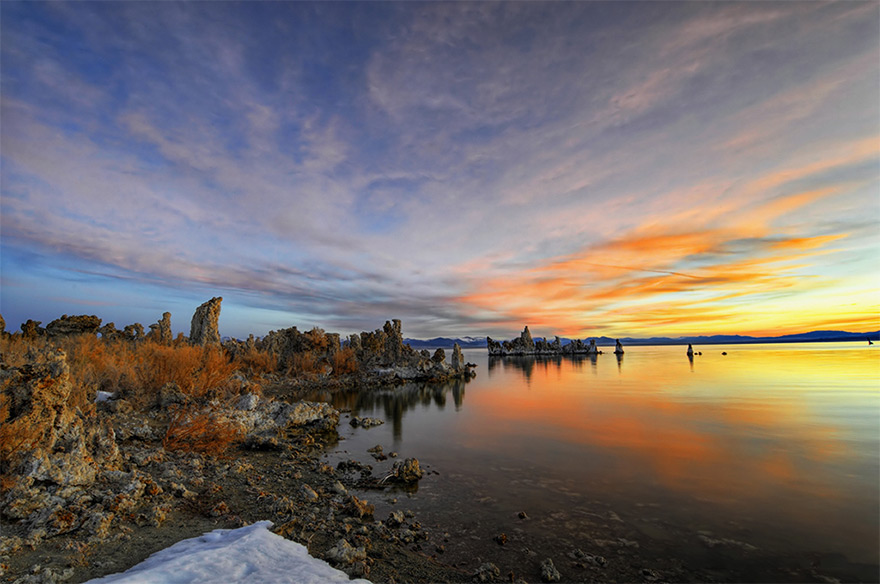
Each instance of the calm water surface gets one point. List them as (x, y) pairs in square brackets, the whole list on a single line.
[(761, 464)]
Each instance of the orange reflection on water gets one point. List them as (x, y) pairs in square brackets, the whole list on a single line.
[(751, 425)]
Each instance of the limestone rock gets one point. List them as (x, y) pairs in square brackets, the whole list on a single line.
[(133, 331), (365, 422), (549, 573), (457, 358), (487, 572), (308, 493), (32, 329), (406, 471), (53, 449), (344, 553), (204, 328), (265, 419), (358, 507), (109, 332), (73, 325), (160, 332)]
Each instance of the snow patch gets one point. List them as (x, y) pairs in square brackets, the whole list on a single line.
[(247, 554)]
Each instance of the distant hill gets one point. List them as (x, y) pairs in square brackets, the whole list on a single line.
[(446, 343), (810, 337)]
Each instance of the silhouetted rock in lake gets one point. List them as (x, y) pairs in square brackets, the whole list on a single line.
[(204, 330), (526, 346), (383, 352)]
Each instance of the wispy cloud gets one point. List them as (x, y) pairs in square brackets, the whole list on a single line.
[(466, 166)]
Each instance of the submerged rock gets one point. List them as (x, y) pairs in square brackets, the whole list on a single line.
[(406, 471), (365, 422)]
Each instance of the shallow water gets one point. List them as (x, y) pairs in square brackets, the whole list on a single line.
[(762, 464)]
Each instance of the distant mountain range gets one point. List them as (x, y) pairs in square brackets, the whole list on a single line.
[(810, 337)]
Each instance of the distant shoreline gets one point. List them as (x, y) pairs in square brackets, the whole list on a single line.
[(445, 343)]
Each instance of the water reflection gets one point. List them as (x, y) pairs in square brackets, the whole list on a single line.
[(783, 435), (527, 365), (395, 402)]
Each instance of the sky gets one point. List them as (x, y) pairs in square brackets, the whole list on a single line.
[(587, 168)]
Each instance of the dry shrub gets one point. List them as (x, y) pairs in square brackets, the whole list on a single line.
[(203, 431), (344, 362), (305, 363), (14, 348), (256, 362), (96, 364), (196, 370)]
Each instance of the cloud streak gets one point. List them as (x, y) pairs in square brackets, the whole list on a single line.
[(469, 167)]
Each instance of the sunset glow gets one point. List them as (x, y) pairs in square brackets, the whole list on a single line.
[(621, 169)]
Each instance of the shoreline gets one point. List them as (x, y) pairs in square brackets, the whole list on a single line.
[(182, 495)]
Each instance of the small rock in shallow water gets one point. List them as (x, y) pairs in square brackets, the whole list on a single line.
[(365, 422)]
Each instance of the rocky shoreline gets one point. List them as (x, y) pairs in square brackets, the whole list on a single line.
[(100, 468), (99, 510)]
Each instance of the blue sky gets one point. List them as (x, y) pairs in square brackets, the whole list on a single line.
[(584, 168)]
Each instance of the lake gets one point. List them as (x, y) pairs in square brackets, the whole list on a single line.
[(759, 465)]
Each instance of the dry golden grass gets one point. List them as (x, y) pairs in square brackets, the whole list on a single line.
[(137, 370), (203, 431), (344, 362), (305, 363), (254, 362)]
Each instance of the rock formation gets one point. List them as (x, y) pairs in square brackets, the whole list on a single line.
[(134, 331), (618, 348), (526, 346), (32, 329), (383, 351), (73, 325), (2, 326), (160, 332), (50, 450), (204, 330), (109, 332), (457, 358)]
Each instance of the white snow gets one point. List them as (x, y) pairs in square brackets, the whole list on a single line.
[(103, 396), (247, 554)]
